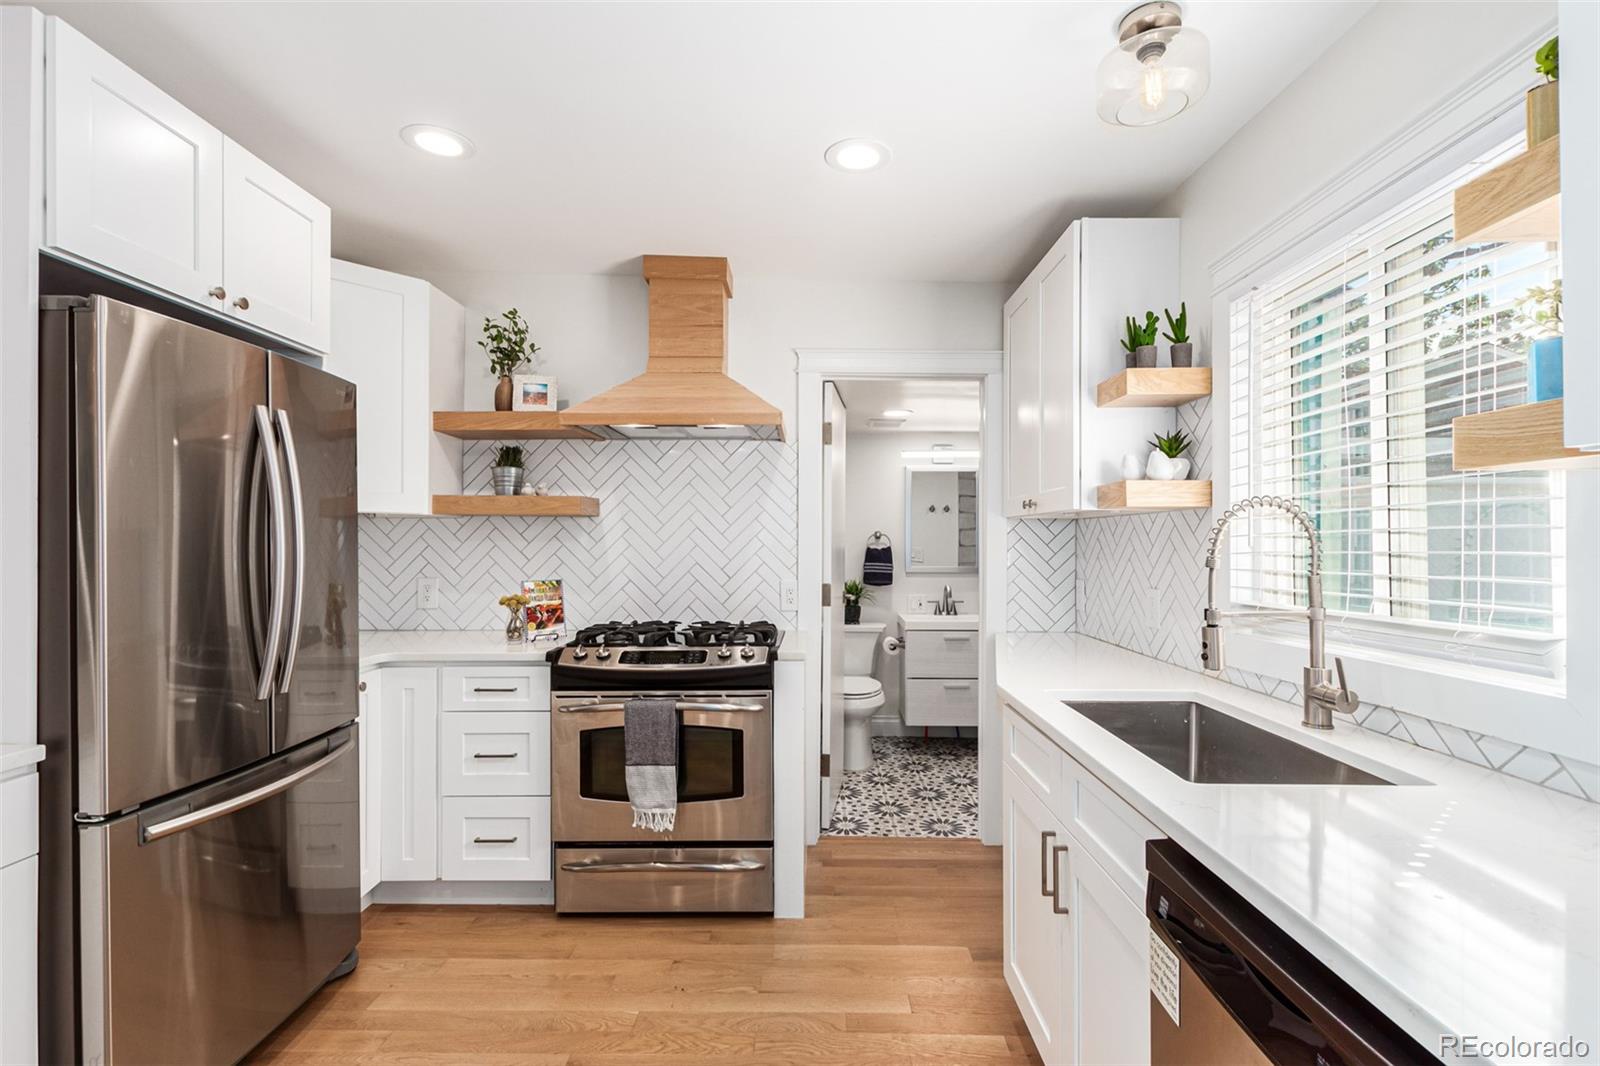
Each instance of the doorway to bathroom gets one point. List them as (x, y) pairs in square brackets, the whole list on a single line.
[(900, 523)]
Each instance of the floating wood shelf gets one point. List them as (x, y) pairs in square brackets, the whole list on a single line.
[(1519, 200), (1164, 386), (1525, 437), (535, 506), (506, 425), (1153, 495)]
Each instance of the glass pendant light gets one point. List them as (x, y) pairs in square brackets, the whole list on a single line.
[(1158, 69)]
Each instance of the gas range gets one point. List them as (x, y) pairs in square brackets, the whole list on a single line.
[(666, 656)]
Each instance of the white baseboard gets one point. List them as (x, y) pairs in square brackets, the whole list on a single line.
[(491, 893), (894, 727)]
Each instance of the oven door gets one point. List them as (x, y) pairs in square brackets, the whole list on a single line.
[(724, 769)]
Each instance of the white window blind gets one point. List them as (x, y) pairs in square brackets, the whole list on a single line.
[(1345, 374)]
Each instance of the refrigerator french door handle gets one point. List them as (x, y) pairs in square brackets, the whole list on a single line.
[(182, 822), (280, 549), (292, 462)]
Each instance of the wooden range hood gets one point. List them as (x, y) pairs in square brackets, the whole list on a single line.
[(685, 391)]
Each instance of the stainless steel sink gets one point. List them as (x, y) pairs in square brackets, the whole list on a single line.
[(1201, 744)]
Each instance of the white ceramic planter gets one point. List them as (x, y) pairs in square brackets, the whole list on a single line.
[(1159, 468)]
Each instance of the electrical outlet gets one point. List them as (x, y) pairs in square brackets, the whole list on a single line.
[(427, 593), (789, 594), (919, 605)]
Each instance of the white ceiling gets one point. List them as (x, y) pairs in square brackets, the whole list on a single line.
[(936, 405), (607, 130)]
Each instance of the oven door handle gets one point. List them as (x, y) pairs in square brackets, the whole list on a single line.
[(683, 705), (654, 866)]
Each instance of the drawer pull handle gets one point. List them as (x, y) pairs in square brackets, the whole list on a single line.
[(1055, 893), (1044, 863), (958, 684), (961, 640), (511, 689), (494, 840), (494, 755)]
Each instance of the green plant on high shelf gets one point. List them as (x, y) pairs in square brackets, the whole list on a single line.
[(1547, 60), (1544, 100), (509, 350), (1177, 334), (855, 594), (1140, 341)]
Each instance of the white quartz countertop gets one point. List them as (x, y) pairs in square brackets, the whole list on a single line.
[(1469, 904), (379, 647), (19, 756)]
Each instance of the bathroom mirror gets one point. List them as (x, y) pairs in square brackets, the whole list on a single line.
[(941, 519)]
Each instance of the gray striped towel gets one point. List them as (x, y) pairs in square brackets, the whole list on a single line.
[(650, 758)]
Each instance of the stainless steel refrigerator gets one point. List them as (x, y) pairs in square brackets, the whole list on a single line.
[(200, 822)]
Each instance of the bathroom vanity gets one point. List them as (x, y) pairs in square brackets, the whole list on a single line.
[(939, 669)]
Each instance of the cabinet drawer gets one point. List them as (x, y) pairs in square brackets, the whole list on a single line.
[(495, 753), (496, 688), (1031, 754), (495, 838), (941, 653), (941, 701), (1106, 825), (19, 829)]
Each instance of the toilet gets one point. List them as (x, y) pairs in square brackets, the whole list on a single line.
[(863, 693)]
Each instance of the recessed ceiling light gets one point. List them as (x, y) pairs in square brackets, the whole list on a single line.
[(436, 140), (857, 154), (898, 412)]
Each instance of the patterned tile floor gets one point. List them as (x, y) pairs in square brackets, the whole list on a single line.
[(915, 788)]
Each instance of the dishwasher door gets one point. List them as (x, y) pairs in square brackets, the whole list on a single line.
[(209, 917), (1247, 993)]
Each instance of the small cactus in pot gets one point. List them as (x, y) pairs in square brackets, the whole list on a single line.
[(1177, 334), (506, 476), (1140, 341)]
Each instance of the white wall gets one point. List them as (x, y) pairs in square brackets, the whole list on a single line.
[(875, 498)]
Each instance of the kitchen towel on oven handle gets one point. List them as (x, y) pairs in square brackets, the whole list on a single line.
[(650, 756)]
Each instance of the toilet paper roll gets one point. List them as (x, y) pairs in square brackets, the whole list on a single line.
[(892, 645)]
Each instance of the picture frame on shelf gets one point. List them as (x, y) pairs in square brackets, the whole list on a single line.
[(533, 392)]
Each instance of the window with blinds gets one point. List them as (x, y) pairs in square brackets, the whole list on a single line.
[(1345, 375)]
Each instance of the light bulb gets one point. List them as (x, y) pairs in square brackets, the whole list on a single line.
[(1152, 88)]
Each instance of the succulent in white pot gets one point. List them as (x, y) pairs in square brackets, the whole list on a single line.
[(1167, 461)]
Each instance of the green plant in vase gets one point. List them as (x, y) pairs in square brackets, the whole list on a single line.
[(1544, 101), (1140, 341), (507, 472), (1542, 314), (1167, 461), (855, 594), (509, 350)]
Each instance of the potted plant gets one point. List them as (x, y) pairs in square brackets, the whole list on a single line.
[(1544, 352), (517, 626), (507, 472), (509, 349), (855, 594), (1177, 334), (1544, 101), (1167, 461), (1140, 343)]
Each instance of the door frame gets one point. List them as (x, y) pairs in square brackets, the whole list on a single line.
[(813, 367)]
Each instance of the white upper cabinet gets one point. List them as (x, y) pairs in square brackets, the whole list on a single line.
[(1063, 331), (138, 185), (133, 178), (401, 341), (276, 251)]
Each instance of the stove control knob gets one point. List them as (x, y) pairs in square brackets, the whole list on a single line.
[(603, 654), (579, 654), (724, 652), (747, 653)]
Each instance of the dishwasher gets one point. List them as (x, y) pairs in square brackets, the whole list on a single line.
[(1246, 992)]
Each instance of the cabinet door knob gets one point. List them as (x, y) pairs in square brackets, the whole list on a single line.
[(217, 292), (361, 686), (242, 303)]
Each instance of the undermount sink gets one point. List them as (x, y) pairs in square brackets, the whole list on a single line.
[(1206, 746)]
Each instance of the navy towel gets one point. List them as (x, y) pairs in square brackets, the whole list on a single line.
[(878, 567)]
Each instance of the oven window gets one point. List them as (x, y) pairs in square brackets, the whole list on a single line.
[(710, 764)]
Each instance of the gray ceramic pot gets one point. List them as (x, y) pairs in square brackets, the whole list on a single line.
[(506, 479), (1144, 355), (1183, 354)]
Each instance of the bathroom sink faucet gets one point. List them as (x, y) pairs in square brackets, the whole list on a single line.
[(1321, 696), (947, 602)]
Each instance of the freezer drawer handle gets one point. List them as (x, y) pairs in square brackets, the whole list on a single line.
[(494, 840), (494, 755), (513, 688), (592, 867), (238, 803)]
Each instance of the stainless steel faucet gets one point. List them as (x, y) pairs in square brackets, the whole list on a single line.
[(1321, 696), (947, 602)]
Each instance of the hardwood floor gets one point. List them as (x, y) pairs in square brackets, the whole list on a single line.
[(899, 962)]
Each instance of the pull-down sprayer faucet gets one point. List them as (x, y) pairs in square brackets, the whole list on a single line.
[(1321, 696)]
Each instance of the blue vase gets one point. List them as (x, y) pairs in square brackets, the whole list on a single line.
[(1544, 370)]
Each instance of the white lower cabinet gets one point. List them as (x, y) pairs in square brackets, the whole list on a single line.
[(370, 735), (460, 773), (409, 706), (1076, 941)]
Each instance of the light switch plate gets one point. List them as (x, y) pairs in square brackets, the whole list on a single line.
[(919, 605), (427, 593)]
